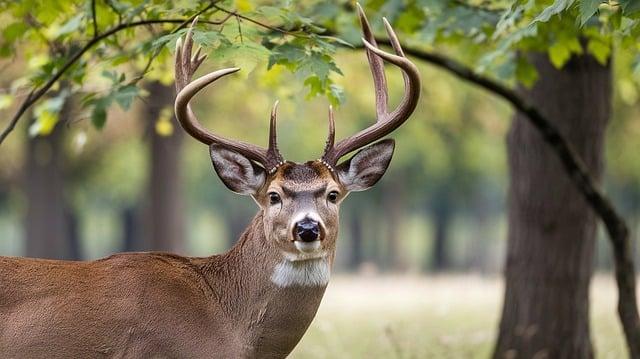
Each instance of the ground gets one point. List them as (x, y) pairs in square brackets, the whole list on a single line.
[(452, 316)]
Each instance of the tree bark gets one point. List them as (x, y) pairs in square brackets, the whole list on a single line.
[(128, 228), (551, 227), (48, 220), (356, 251), (164, 221), (441, 212), (393, 199)]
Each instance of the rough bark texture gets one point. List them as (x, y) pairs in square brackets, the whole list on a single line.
[(551, 227), (48, 221), (164, 223)]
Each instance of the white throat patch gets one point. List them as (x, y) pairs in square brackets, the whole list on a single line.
[(305, 273)]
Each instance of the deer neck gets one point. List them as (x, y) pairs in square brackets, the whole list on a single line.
[(270, 298)]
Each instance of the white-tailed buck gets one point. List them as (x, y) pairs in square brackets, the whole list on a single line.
[(256, 300)]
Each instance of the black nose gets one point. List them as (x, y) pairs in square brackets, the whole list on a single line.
[(307, 230)]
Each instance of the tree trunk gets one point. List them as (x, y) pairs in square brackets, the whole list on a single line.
[(392, 216), (551, 228), (355, 254), (129, 230), (48, 222), (164, 223), (441, 213)]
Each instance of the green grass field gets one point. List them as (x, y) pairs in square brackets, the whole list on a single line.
[(430, 317)]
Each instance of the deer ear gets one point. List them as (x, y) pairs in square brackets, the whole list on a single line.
[(236, 171), (367, 166)]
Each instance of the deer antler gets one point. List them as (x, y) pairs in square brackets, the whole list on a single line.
[(387, 121), (185, 66)]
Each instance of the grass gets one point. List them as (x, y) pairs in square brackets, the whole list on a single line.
[(430, 317)]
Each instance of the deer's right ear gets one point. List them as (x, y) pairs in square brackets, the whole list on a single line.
[(367, 166), (236, 171)]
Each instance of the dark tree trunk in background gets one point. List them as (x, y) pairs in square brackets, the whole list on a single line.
[(163, 217), (441, 213), (48, 221), (128, 225), (551, 229), (391, 216), (74, 234), (355, 254)]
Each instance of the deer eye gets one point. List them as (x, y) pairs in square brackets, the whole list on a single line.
[(332, 196), (274, 198)]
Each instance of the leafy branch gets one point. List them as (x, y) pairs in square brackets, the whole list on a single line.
[(36, 93), (308, 56)]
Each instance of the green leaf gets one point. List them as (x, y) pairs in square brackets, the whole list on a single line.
[(336, 95), (557, 7), (559, 54), (14, 31), (44, 124), (125, 95), (316, 86), (70, 26), (587, 9), (99, 114), (630, 6), (526, 73), (599, 50), (47, 115)]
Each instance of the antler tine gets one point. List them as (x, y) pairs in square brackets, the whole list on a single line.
[(376, 66), (386, 122), (185, 67), (331, 137), (273, 153)]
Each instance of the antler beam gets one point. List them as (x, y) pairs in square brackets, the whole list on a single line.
[(387, 121), (185, 66)]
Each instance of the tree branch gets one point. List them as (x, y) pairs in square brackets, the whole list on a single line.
[(577, 171), (36, 94), (95, 21)]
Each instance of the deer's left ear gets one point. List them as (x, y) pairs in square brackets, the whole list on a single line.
[(367, 166), (236, 171)]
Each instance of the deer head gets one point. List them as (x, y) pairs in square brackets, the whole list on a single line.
[(300, 201)]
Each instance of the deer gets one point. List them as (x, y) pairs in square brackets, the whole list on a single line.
[(255, 300)]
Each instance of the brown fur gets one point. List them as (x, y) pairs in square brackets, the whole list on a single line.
[(136, 305), (160, 304), (153, 304)]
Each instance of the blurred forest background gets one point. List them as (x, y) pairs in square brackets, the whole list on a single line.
[(99, 164)]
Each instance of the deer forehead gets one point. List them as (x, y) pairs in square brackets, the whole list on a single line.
[(312, 176)]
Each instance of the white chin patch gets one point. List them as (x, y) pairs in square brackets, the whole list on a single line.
[(307, 247), (304, 273)]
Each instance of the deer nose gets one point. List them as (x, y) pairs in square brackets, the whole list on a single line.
[(307, 230)]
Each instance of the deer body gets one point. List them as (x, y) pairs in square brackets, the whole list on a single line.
[(255, 301), (155, 304)]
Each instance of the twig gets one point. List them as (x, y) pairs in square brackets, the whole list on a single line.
[(256, 22), (239, 29), (114, 9), (36, 94), (93, 15), (147, 66)]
